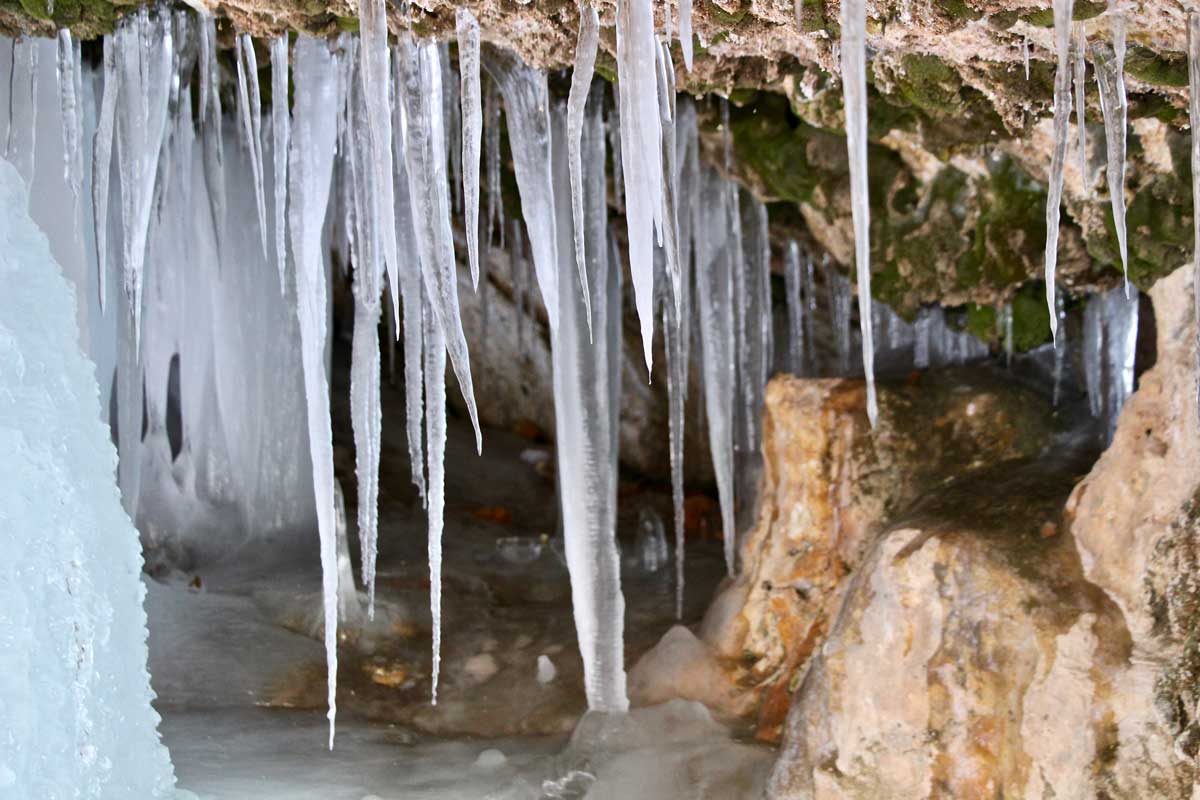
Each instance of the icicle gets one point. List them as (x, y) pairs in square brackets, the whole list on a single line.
[(102, 164), (410, 291), (517, 274), (838, 290), (1093, 346), (854, 90), (715, 298), (685, 32), (1060, 348), (1080, 105), (280, 136), (421, 91), (435, 434), (581, 82), (669, 237), (495, 207), (22, 112), (69, 69), (144, 56), (527, 109), (376, 79), (250, 111), (1111, 80), (755, 358), (1006, 315), (614, 143), (1193, 23), (1025, 55), (795, 307), (452, 124), (641, 154), (1120, 315), (810, 315), (309, 176), (586, 396), (472, 121), (1063, 10)]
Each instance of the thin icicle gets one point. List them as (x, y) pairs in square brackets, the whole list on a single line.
[(715, 299), (854, 90), (641, 153), (795, 308), (669, 236), (1060, 348), (527, 111), (410, 291), (1006, 317), (1063, 10), (1193, 27), (586, 396), (452, 124), (281, 133), (309, 176), (581, 82), (376, 79), (102, 164), (1111, 80), (435, 434), (1081, 105), (250, 111), (421, 92), (685, 32), (1025, 55), (69, 68), (495, 203), (1092, 353), (472, 130), (144, 57)]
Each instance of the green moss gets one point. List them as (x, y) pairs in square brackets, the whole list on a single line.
[(728, 18), (1084, 9), (927, 92), (1004, 20), (981, 322), (1149, 105), (347, 24), (812, 15), (1010, 232), (1167, 69), (957, 10), (1031, 319)]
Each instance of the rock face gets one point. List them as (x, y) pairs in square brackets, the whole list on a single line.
[(1000, 642), (828, 483)]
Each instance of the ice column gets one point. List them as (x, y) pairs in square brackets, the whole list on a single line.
[(1062, 111)]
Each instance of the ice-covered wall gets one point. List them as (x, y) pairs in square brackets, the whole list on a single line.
[(75, 714)]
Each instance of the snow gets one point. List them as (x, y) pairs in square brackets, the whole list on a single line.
[(854, 91), (641, 154), (472, 119), (310, 169), (73, 624), (1062, 111)]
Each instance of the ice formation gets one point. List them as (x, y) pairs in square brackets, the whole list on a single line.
[(1110, 326), (250, 112), (420, 90), (854, 90), (586, 396), (685, 32), (581, 83), (376, 82), (22, 119), (70, 89), (309, 173), (281, 134), (73, 624), (102, 165), (435, 438), (641, 153), (795, 309), (1080, 56), (1063, 10), (472, 121), (1110, 77)]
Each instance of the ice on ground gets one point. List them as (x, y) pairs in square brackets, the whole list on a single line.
[(73, 628)]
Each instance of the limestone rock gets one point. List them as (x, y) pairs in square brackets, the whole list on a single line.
[(828, 483)]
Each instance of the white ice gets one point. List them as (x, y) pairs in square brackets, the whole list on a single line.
[(472, 130), (1063, 10), (581, 84), (281, 133)]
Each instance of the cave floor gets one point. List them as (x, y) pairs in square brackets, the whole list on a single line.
[(237, 664)]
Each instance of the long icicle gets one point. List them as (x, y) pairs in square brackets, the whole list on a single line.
[(471, 97), (581, 82), (854, 89), (1063, 10), (376, 76), (1081, 105), (1110, 69), (281, 134), (102, 165), (250, 110), (685, 32), (309, 175), (69, 99), (641, 154), (435, 435)]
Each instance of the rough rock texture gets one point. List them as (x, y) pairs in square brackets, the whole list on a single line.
[(828, 483), (960, 139), (1003, 641)]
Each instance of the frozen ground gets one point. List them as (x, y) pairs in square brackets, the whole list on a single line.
[(236, 659)]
